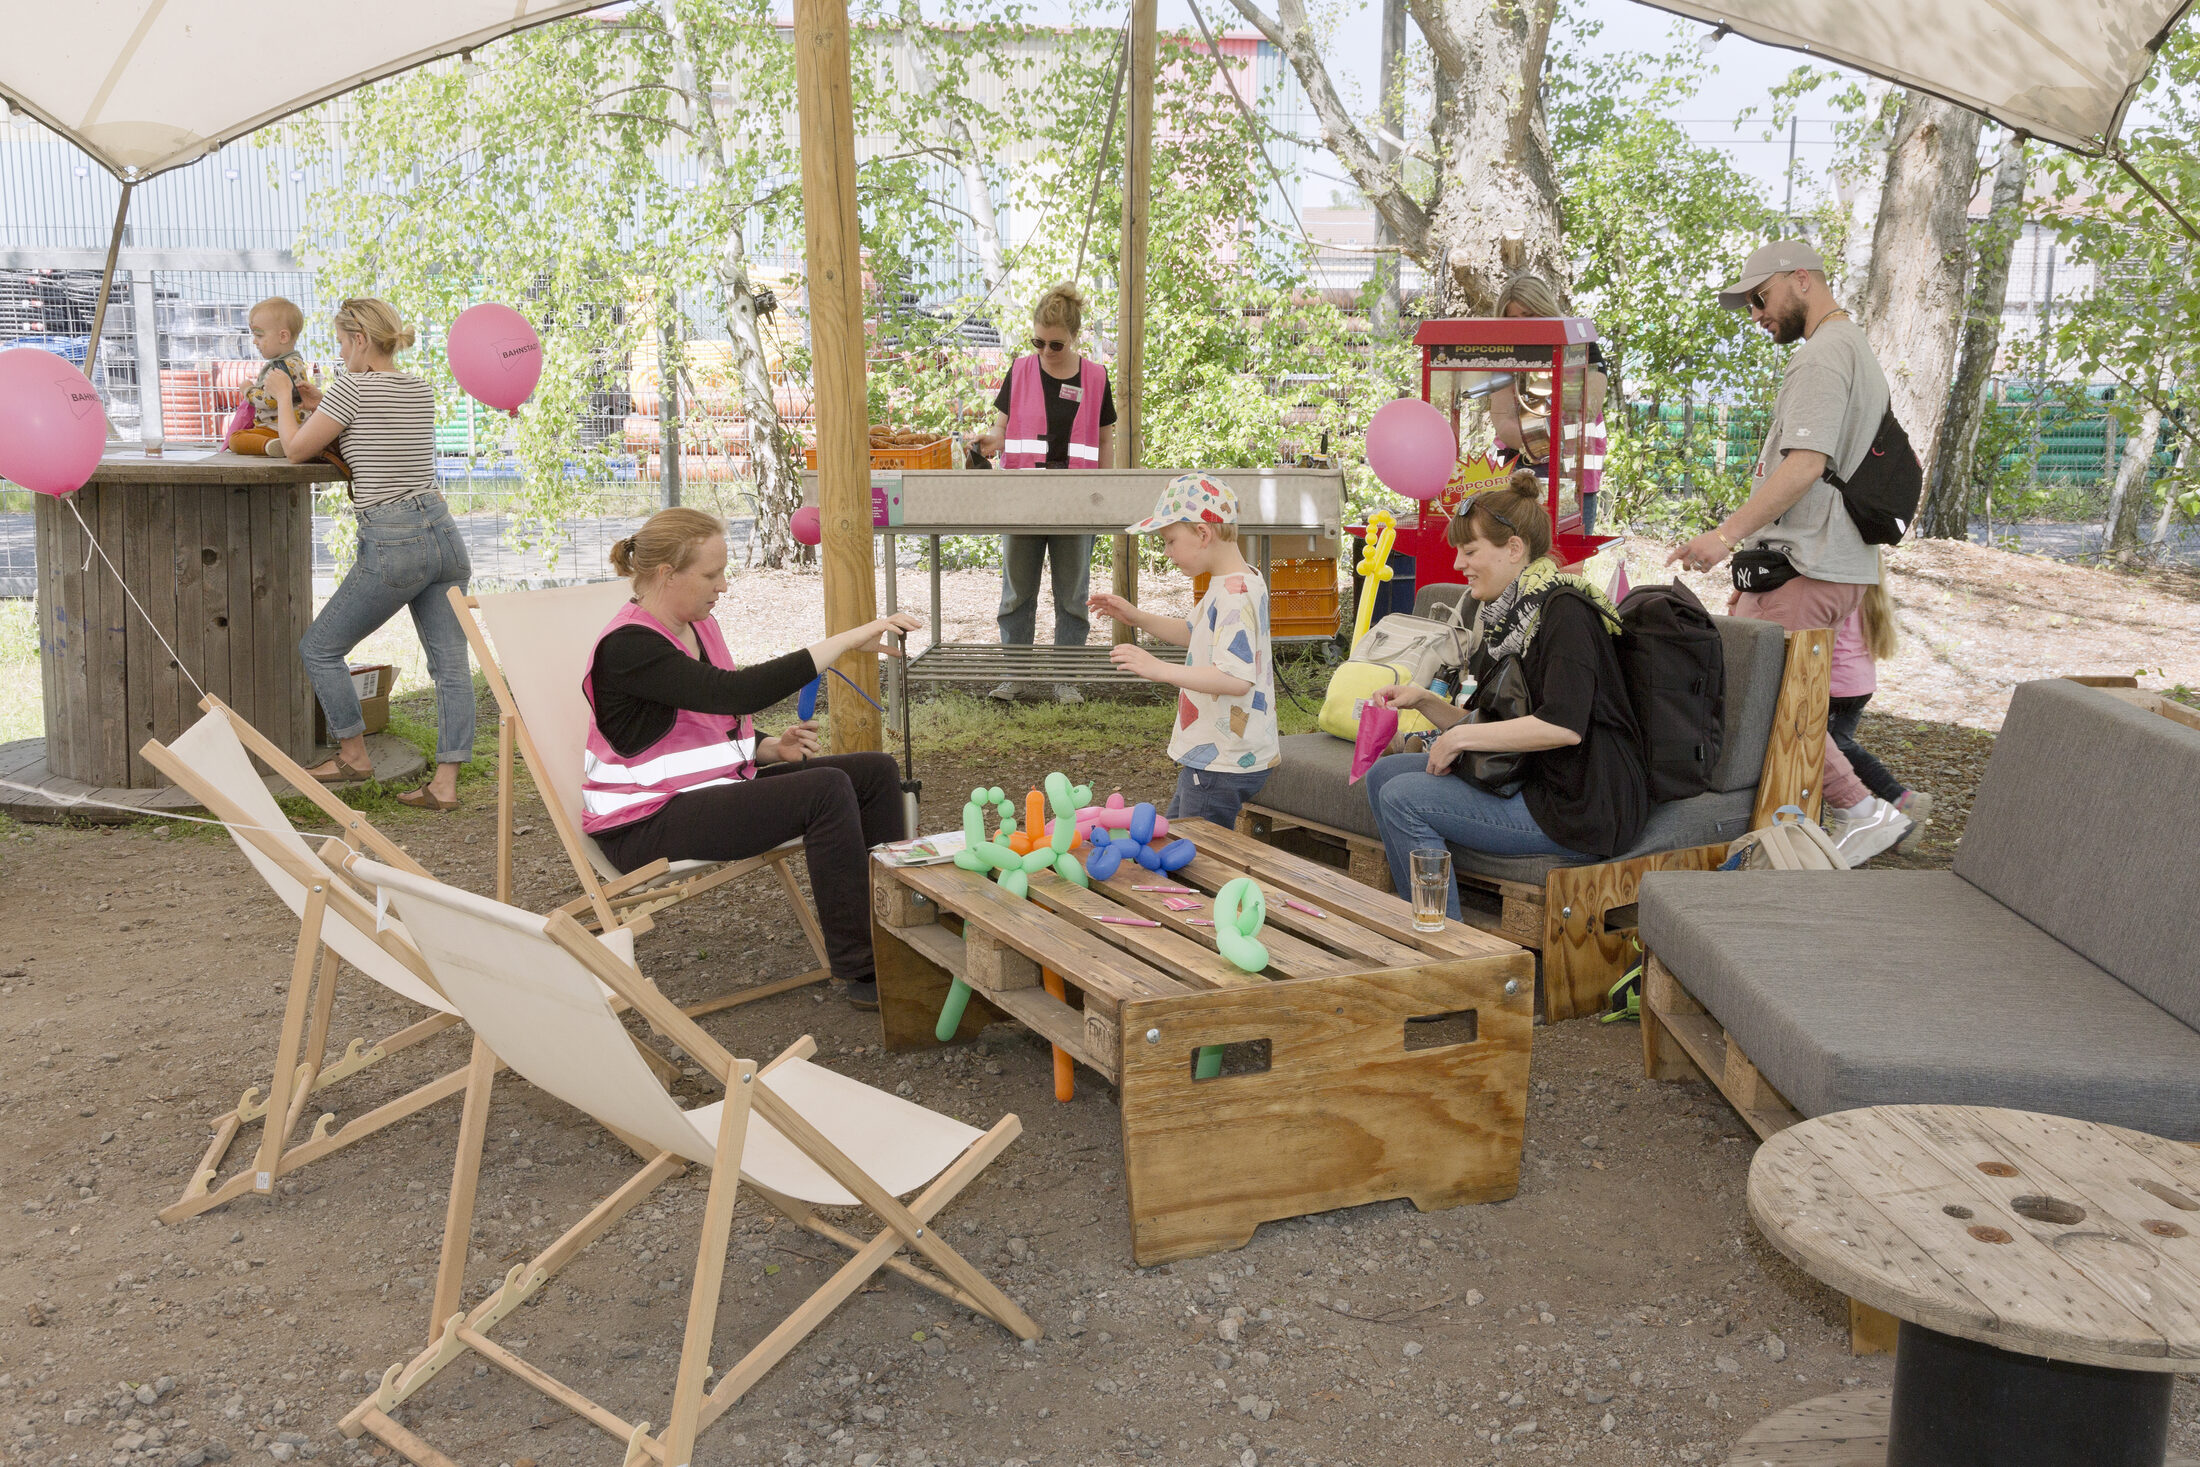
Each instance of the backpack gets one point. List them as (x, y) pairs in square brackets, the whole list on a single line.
[(1675, 666), (1883, 493), (1400, 648), (1789, 843)]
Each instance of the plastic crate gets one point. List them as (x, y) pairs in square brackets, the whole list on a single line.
[(938, 454), (1289, 575), (1302, 613)]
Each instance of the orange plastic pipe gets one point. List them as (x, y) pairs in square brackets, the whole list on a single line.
[(1065, 1068)]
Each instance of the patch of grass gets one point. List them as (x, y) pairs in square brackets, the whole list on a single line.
[(2190, 697), (22, 698)]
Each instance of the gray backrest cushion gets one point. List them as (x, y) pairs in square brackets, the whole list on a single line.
[(2084, 825), (1756, 654), (1429, 600)]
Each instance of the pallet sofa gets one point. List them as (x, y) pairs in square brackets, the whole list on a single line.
[(1580, 918), (2056, 968)]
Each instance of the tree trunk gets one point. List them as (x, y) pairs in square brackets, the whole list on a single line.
[(1947, 511), (963, 146), (2129, 497), (1495, 211), (1913, 303), (2169, 490), (772, 447), (1390, 268)]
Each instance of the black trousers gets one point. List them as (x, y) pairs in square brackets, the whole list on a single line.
[(839, 804), (1841, 718)]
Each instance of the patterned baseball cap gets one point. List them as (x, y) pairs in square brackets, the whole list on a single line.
[(1190, 499)]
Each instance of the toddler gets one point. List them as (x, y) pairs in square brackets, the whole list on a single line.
[(1225, 737), (1858, 645), (276, 324)]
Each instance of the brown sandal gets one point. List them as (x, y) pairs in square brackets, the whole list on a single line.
[(344, 773), (425, 799)]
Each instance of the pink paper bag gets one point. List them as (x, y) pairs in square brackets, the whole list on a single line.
[(1378, 726)]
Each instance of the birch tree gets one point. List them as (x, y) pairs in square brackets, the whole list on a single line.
[(1493, 209), (1947, 510)]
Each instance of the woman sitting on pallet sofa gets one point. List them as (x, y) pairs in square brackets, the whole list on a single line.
[(1547, 758), (675, 766)]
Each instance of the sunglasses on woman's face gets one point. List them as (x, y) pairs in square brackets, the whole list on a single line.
[(1040, 343)]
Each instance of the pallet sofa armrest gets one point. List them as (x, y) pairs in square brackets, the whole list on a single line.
[(1795, 754)]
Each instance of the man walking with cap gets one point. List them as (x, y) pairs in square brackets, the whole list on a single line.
[(1793, 537)]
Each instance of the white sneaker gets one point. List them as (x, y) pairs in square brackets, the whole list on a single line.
[(1006, 692), (1064, 693), (1863, 832)]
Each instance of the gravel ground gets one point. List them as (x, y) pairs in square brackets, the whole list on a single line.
[(1621, 1309)]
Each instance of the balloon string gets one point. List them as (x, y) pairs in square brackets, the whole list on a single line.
[(73, 801), (70, 501)]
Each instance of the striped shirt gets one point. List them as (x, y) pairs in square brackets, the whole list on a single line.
[(388, 435)]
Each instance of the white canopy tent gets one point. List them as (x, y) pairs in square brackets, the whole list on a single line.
[(2062, 70)]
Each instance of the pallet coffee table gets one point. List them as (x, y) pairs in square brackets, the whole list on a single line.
[(1329, 1095), (2046, 1272)]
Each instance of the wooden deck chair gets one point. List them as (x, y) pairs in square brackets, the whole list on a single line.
[(799, 1135), (212, 761), (546, 638)]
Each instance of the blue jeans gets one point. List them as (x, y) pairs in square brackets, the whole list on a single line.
[(410, 556), (1021, 556), (1416, 810), (1214, 794)]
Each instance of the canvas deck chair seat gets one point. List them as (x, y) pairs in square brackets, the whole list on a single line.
[(800, 1136), (213, 761), (534, 648)]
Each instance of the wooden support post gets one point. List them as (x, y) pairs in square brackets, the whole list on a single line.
[(832, 242), (1130, 328)]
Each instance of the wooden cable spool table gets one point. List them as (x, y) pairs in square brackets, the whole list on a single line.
[(2046, 1272), (1329, 1095), (218, 550)]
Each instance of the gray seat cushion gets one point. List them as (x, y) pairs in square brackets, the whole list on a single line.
[(1672, 826), (1310, 783), (1914, 987), (2084, 823)]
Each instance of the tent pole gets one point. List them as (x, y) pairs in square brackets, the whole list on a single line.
[(2123, 161), (832, 243), (107, 287), (1142, 50)]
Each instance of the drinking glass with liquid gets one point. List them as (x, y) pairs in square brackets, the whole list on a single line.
[(1431, 889)]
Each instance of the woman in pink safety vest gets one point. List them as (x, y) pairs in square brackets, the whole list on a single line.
[(676, 768), (1055, 410)]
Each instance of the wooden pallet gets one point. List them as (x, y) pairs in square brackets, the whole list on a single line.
[(1681, 1041), (1327, 1098)]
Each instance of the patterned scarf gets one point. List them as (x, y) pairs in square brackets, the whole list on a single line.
[(1509, 623)]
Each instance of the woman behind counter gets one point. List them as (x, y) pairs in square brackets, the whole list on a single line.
[(1522, 418), (1055, 410)]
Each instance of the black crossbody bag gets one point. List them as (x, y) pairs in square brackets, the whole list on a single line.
[(1760, 569)]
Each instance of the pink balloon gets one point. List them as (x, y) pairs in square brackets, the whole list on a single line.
[(52, 427), (495, 355), (1411, 448), (807, 525)]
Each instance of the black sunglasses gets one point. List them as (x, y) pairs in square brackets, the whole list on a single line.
[(1040, 343)]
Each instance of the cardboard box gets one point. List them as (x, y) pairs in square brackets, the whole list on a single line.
[(371, 681)]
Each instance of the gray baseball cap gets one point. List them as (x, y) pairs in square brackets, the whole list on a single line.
[(1766, 261)]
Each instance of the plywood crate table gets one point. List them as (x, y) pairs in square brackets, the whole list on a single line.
[(1329, 1096), (2046, 1272)]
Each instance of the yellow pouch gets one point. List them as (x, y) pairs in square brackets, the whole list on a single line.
[(1351, 685)]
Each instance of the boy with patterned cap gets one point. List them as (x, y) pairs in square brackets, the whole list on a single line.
[(1225, 736)]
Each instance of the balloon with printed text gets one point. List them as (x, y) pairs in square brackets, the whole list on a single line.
[(1411, 448), (52, 426), (495, 355)]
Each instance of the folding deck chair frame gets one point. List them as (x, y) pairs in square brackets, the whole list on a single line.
[(749, 1095), (302, 1068), (607, 897)]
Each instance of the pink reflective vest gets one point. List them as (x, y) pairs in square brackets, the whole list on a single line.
[(700, 750), (1024, 446)]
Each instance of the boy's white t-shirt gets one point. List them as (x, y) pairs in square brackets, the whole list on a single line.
[(1230, 633)]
